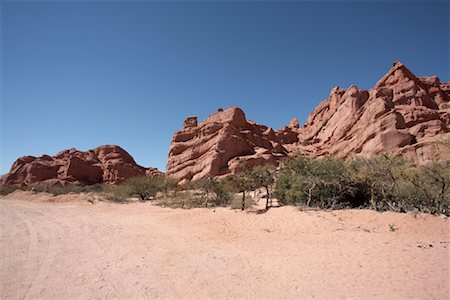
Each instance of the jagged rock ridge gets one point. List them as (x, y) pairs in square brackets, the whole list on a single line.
[(105, 164), (400, 111), (403, 114), (219, 145)]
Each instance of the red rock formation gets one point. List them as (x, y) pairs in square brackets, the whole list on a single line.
[(402, 114), (401, 110), (219, 144), (104, 164)]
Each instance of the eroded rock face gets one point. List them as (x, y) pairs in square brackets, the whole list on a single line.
[(401, 110), (220, 144), (105, 164), (403, 114)]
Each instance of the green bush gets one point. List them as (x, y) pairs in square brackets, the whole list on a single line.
[(240, 183), (144, 187), (115, 193), (213, 191), (381, 183), (264, 177), (184, 199), (316, 182), (378, 179), (7, 189), (426, 188), (168, 184)]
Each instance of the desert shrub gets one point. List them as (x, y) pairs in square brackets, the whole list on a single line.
[(184, 199), (168, 184), (381, 183), (55, 189), (213, 191), (116, 198), (378, 180), (115, 193), (236, 202), (240, 183), (426, 188), (316, 182), (58, 189), (93, 188), (264, 176), (144, 187), (7, 189)]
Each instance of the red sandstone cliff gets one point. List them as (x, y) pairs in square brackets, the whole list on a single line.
[(219, 144), (401, 110), (402, 113), (104, 164)]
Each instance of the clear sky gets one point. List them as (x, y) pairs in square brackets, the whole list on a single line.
[(83, 74)]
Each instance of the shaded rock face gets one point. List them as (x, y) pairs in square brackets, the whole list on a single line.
[(220, 144), (105, 164), (402, 113), (401, 110)]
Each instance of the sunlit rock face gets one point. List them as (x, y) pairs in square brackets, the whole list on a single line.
[(402, 114), (220, 144), (400, 111), (105, 164)]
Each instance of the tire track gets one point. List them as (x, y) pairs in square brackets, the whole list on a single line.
[(77, 255)]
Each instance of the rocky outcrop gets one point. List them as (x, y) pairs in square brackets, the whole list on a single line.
[(105, 164), (400, 111), (402, 114), (220, 145)]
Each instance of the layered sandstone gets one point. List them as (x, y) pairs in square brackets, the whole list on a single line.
[(220, 145), (401, 110), (105, 164), (402, 113)]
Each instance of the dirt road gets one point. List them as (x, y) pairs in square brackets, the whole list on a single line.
[(97, 251)]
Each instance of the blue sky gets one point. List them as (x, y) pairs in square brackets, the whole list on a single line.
[(83, 74)]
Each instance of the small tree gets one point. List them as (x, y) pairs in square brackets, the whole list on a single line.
[(264, 176), (379, 175), (144, 187), (206, 185), (168, 184), (242, 183), (431, 183), (321, 181), (214, 190)]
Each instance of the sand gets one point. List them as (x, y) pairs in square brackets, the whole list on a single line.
[(78, 250)]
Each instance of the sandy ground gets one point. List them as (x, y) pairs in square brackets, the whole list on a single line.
[(78, 250)]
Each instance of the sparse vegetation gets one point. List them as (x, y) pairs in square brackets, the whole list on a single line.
[(184, 199), (7, 189), (392, 228), (381, 183), (241, 183), (316, 182), (144, 187), (54, 189), (264, 176), (116, 194), (213, 191), (168, 185)]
